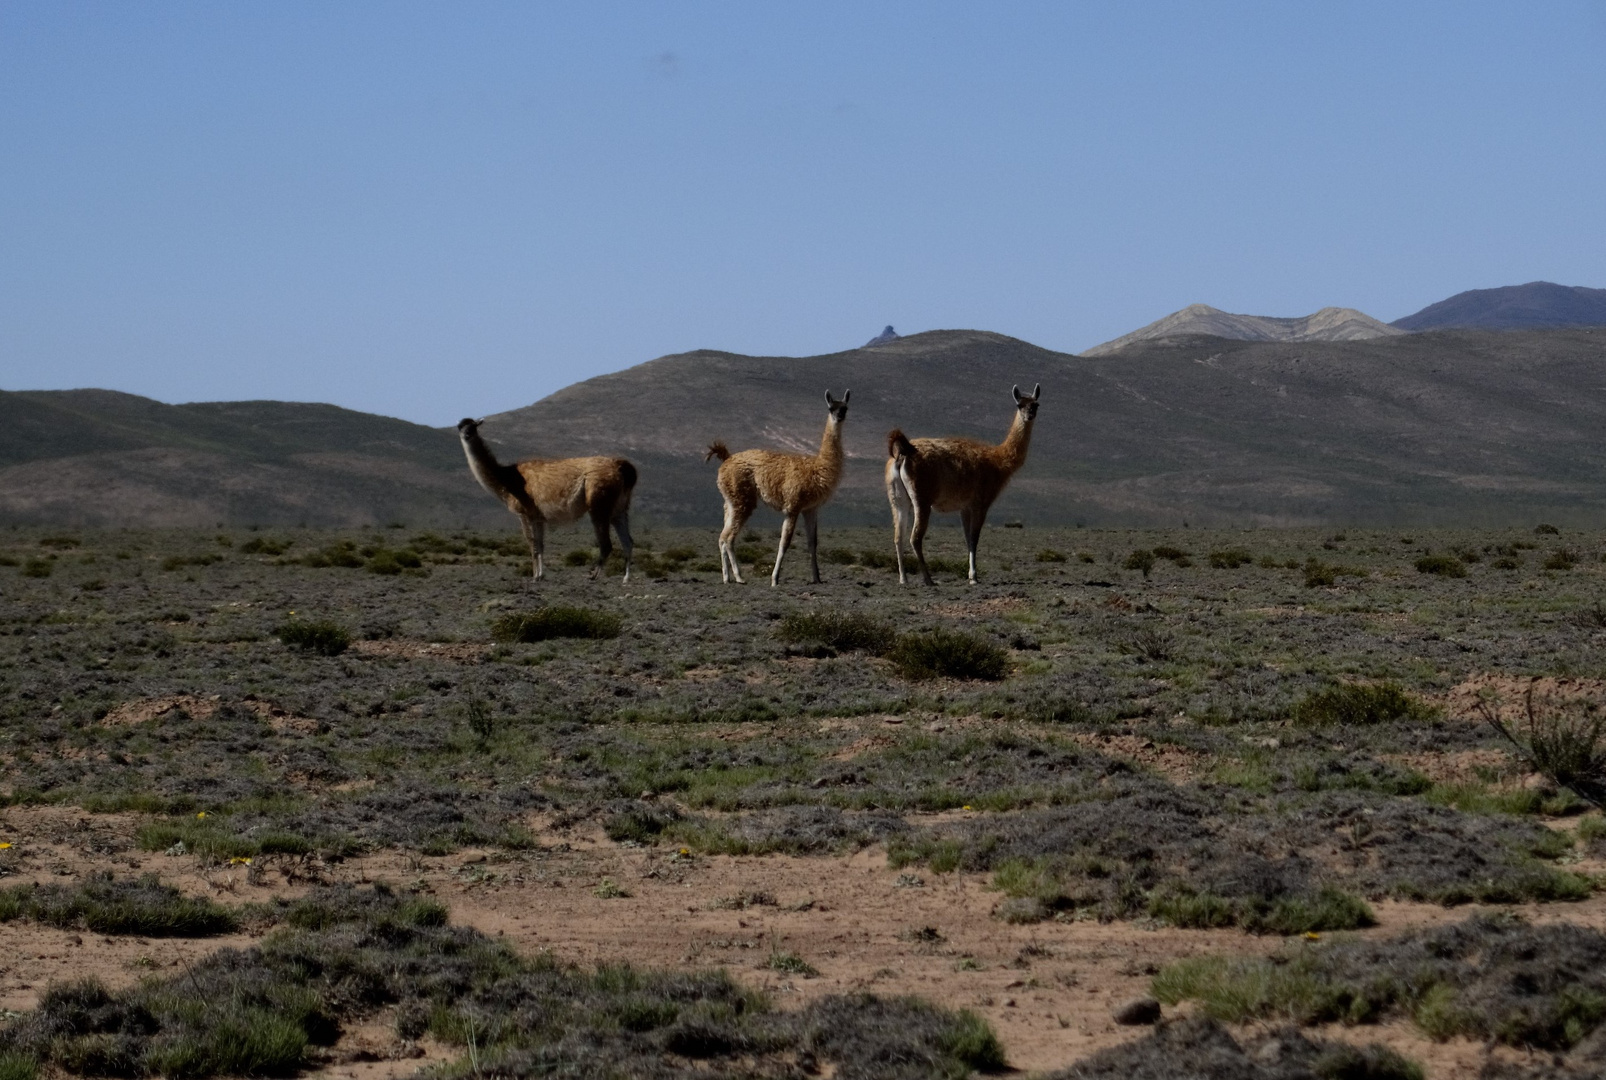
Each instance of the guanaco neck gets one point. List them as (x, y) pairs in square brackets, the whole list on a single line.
[(500, 480), (1011, 453), (830, 457)]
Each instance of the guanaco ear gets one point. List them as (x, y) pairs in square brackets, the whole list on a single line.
[(1016, 391), (1037, 392), (845, 395)]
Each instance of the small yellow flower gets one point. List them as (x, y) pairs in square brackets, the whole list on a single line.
[(292, 613), (202, 814), (1311, 935), (238, 861), (683, 851), (4, 844), (967, 806)]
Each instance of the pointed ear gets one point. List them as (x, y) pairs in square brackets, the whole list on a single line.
[(845, 395), (829, 400), (1037, 392), (1015, 390)]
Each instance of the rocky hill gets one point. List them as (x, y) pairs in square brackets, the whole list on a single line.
[(1456, 427), (1536, 305), (1447, 427), (1328, 324), (98, 457)]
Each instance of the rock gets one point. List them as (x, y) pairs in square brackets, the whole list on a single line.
[(889, 334), (1143, 1010)]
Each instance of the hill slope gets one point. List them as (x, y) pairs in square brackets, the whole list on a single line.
[(101, 457), (1536, 305), (1328, 324), (1448, 427)]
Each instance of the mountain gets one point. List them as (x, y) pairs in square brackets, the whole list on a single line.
[(1451, 427), (98, 457), (889, 334), (1532, 306), (1328, 324)]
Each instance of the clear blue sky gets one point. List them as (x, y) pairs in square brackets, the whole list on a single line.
[(434, 210)]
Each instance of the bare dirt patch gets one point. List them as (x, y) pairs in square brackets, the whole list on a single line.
[(400, 649), (1176, 763), (145, 710), (1506, 693), (1048, 989)]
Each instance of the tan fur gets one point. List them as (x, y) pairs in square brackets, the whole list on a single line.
[(923, 475), (556, 492), (795, 484)]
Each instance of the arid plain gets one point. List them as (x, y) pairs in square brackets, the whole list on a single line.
[(375, 800)]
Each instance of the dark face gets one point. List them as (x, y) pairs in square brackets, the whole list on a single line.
[(1027, 405), (466, 426), (839, 409)]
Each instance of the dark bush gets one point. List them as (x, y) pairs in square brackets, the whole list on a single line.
[(839, 556), (1442, 565), (1230, 558), (1564, 741), (37, 568), (1561, 559), (320, 636), (880, 560), (950, 654), (1320, 575), (1141, 559), (386, 561), (1359, 703), (110, 906), (555, 621), (1050, 555), (261, 545), (843, 631)]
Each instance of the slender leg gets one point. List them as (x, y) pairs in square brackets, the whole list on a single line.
[(787, 527), (535, 533), (898, 496), (811, 526), (728, 566), (973, 525), (621, 525), (604, 544), (918, 540)]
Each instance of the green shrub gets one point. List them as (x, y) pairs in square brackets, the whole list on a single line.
[(15, 1066), (950, 654), (1565, 741), (1141, 559), (1359, 703), (1050, 555), (580, 557), (106, 905), (1561, 559), (1441, 565), (1328, 909), (879, 560), (971, 1040), (555, 621), (843, 631), (1175, 554), (261, 545), (1230, 558), (839, 556), (37, 568), (178, 562), (386, 561), (319, 636), (1319, 575)]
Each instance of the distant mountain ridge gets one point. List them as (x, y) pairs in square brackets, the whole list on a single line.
[(1536, 305), (99, 457), (1328, 324)]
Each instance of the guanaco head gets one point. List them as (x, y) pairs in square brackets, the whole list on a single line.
[(839, 409), (1026, 404), (467, 426)]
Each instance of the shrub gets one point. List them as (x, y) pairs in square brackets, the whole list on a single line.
[(1050, 555), (842, 631), (878, 560), (386, 561), (178, 562), (1230, 558), (106, 905), (1441, 565), (319, 636), (1561, 559), (580, 557), (839, 556), (1546, 530), (555, 621), (37, 568), (949, 654), (1175, 554), (1328, 909), (1563, 741), (1359, 703), (1320, 575), (1141, 559), (261, 545)]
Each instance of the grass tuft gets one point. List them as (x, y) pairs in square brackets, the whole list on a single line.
[(1359, 704), (107, 905), (318, 636), (949, 654), (555, 621), (840, 631)]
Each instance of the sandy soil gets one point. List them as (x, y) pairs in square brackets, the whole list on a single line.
[(1048, 989)]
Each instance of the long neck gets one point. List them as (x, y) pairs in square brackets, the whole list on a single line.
[(831, 448), (492, 475), (1011, 453)]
